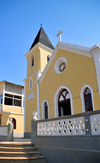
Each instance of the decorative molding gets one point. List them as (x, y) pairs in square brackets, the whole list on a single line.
[(31, 83), (43, 112), (11, 112), (36, 72), (58, 62), (30, 96), (39, 45), (82, 96), (56, 99), (96, 55)]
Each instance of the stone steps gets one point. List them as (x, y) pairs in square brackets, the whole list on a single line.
[(11, 152)]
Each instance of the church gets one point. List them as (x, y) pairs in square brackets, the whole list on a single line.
[(64, 80)]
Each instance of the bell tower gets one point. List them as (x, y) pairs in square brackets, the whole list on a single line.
[(39, 53), (37, 58)]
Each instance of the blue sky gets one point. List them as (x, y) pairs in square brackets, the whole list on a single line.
[(20, 21)]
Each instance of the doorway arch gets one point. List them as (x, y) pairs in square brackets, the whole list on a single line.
[(61, 88)]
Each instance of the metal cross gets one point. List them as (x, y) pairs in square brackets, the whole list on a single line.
[(59, 34)]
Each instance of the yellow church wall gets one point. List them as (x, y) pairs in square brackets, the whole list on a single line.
[(96, 100), (19, 121), (12, 109), (36, 55), (80, 70), (31, 105), (43, 58), (1, 87)]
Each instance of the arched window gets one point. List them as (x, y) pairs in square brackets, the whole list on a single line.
[(30, 83), (48, 57), (32, 61), (64, 107), (14, 123), (67, 96), (45, 109), (88, 100)]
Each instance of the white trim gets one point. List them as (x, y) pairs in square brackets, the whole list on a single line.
[(3, 95), (24, 106), (40, 45), (43, 113), (31, 61), (33, 74), (11, 112), (56, 99), (38, 105), (13, 106), (13, 93), (82, 96), (96, 54), (29, 83), (22, 100)]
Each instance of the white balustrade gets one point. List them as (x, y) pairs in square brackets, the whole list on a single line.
[(95, 124), (3, 130), (72, 126)]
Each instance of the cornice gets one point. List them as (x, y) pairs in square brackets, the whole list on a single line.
[(39, 45), (36, 72)]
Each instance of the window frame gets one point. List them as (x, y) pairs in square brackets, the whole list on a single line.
[(5, 96), (82, 96), (32, 60), (30, 84), (43, 109)]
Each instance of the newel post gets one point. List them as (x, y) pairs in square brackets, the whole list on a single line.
[(87, 124), (34, 127), (10, 130)]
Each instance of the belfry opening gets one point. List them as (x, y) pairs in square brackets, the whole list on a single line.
[(64, 107)]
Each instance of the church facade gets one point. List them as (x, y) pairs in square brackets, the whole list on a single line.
[(64, 80)]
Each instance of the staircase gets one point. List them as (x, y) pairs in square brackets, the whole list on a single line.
[(20, 152)]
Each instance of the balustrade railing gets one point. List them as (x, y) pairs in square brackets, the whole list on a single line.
[(87, 123)]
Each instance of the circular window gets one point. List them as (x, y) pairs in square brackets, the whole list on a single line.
[(60, 65)]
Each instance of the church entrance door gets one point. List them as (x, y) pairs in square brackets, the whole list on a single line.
[(64, 107)]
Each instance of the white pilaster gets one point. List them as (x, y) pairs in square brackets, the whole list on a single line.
[(96, 55), (22, 101), (38, 108), (3, 95), (25, 106)]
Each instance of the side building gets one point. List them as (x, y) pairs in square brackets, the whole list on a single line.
[(12, 105)]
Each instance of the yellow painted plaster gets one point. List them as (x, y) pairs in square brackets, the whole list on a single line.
[(12, 109), (31, 105), (80, 70)]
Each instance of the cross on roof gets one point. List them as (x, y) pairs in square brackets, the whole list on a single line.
[(59, 34)]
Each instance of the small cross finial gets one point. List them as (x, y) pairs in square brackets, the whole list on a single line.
[(41, 25), (59, 34)]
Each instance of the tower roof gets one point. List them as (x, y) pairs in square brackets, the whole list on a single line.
[(43, 39)]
